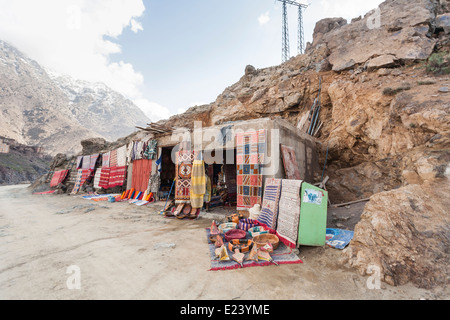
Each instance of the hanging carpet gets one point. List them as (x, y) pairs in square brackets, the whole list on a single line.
[(142, 170), (251, 149)]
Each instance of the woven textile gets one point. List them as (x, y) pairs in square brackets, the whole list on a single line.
[(82, 176), (117, 176), (86, 162), (198, 177), (289, 211), (142, 170), (185, 159), (251, 148), (97, 177), (198, 184), (104, 178), (93, 161), (269, 208), (113, 159), (58, 177), (151, 150), (138, 150), (154, 184), (122, 156), (105, 159), (79, 162)]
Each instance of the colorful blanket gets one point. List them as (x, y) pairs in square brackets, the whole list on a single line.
[(86, 163), (269, 208), (45, 192), (104, 178), (105, 159), (82, 176), (122, 156), (117, 176), (113, 159), (250, 155), (93, 161), (185, 159), (97, 177), (142, 170), (58, 177), (79, 162), (289, 211), (282, 255)]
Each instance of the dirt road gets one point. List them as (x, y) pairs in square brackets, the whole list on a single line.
[(127, 252)]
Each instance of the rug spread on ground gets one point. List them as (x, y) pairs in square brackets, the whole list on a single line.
[(282, 255)]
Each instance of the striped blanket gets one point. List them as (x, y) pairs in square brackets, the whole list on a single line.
[(269, 209), (82, 176), (58, 177), (117, 176)]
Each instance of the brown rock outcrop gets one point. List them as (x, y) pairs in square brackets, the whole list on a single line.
[(405, 233), (399, 30)]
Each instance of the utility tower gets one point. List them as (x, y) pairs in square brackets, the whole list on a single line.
[(286, 51)]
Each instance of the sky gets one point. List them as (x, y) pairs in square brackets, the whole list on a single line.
[(165, 56)]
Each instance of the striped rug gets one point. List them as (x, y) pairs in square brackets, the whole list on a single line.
[(289, 211), (269, 209)]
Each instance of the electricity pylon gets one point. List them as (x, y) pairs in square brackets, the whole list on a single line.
[(285, 36)]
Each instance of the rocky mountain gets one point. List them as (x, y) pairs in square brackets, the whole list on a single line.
[(57, 112), (384, 84), (97, 106)]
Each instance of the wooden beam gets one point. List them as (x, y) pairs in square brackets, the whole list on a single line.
[(348, 203)]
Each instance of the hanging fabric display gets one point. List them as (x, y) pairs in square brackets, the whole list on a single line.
[(86, 163), (93, 161), (251, 148), (289, 211), (97, 177), (58, 177), (269, 208), (113, 159), (105, 159), (185, 159), (122, 156), (151, 150), (198, 188), (142, 170), (104, 178)]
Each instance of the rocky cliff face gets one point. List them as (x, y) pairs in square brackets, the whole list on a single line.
[(95, 105), (385, 108), (36, 109)]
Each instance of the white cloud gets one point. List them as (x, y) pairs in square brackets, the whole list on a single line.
[(153, 110), (78, 37), (264, 18)]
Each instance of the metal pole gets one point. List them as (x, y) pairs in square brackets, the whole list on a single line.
[(286, 49)]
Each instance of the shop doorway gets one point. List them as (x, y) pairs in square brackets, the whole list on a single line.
[(167, 173), (223, 181)]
